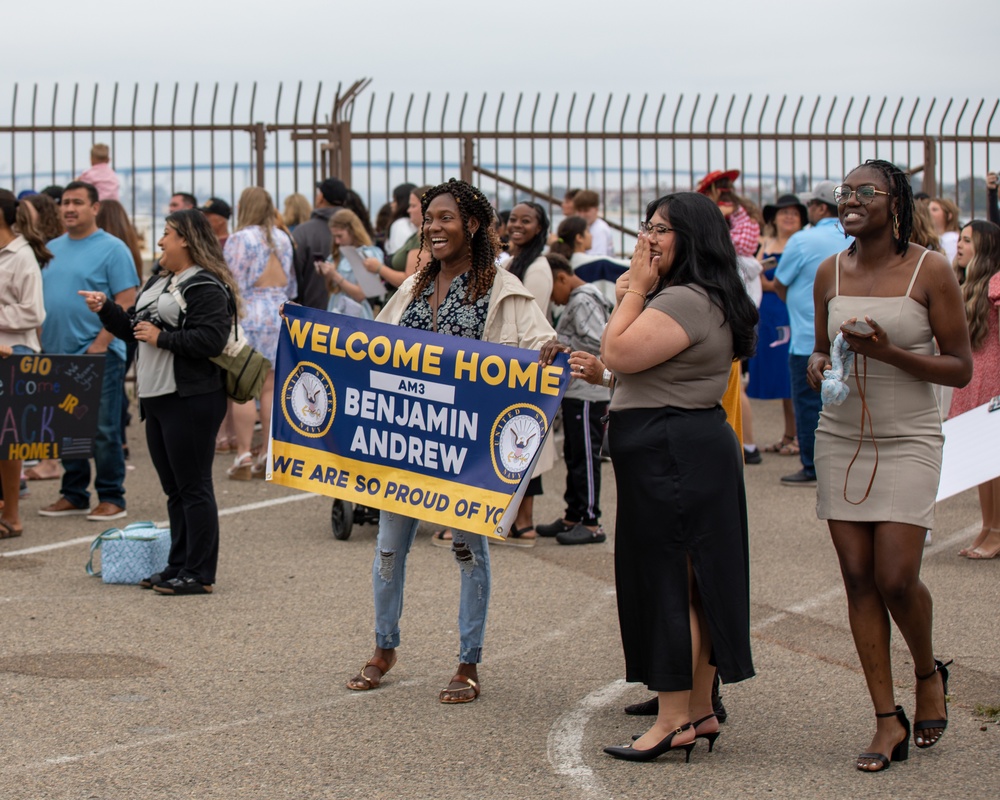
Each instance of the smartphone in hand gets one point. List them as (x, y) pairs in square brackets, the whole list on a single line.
[(858, 328)]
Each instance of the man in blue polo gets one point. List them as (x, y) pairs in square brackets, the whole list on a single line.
[(794, 280), (85, 257)]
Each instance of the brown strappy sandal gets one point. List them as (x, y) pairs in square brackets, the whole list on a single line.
[(362, 683), (455, 696)]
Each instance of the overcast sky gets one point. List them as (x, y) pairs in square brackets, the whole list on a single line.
[(895, 47)]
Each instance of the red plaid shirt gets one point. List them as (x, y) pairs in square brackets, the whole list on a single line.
[(744, 232)]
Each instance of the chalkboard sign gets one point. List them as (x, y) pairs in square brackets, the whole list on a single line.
[(48, 406)]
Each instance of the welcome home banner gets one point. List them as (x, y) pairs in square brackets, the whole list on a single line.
[(441, 428)]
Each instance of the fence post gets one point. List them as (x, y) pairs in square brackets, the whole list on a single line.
[(259, 144), (929, 184), (344, 152), (468, 152)]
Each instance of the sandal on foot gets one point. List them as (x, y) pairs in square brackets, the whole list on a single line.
[(516, 537), (362, 683), (441, 538), (8, 531), (932, 724), (241, 468), (454, 696), (900, 752), (788, 446)]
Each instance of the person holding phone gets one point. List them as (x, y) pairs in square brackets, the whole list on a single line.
[(346, 296), (876, 489)]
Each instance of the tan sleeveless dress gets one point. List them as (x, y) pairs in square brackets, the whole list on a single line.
[(904, 415)]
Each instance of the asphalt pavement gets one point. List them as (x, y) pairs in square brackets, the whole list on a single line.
[(112, 692)]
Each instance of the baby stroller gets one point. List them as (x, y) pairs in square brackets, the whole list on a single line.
[(345, 515)]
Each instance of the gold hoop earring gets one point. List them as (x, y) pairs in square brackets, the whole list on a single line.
[(895, 226)]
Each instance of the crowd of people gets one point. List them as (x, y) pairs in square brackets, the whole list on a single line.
[(719, 302)]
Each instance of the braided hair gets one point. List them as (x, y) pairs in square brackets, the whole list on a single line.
[(484, 244), (900, 191), (533, 249)]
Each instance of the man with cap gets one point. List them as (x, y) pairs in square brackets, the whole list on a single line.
[(793, 283), (313, 240), (218, 213)]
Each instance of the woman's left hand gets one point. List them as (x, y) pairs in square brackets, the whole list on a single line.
[(875, 346), (550, 350), (146, 332), (642, 275)]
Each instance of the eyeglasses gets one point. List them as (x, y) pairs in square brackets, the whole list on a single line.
[(654, 230), (865, 194)]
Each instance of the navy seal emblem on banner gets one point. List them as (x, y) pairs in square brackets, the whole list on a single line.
[(308, 401), (516, 437)]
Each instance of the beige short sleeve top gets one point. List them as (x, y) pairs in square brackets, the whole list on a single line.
[(697, 376)]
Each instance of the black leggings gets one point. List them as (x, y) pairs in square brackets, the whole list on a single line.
[(180, 432)]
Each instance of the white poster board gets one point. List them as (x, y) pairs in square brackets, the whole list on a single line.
[(370, 283), (971, 451)]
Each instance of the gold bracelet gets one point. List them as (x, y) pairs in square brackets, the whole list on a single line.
[(636, 291)]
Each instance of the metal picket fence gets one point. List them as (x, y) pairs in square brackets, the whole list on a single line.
[(210, 140)]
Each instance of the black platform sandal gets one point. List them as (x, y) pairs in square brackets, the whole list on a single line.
[(900, 752), (932, 724)]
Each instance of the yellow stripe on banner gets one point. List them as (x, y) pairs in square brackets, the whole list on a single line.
[(449, 503)]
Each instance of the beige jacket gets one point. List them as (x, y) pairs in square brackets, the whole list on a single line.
[(21, 308), (513, 318)]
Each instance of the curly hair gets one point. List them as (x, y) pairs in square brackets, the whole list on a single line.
[(899, 191), (49, 224), (976, 289), (484, 244), (17, 219)]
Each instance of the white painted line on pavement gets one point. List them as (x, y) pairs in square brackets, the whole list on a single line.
[(224, 512), (565, 742)]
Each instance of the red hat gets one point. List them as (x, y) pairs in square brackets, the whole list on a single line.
[(717, 175)]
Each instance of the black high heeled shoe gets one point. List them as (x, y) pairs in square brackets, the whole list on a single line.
[(901, 752), (661, 747), (931, 724), (709, 737)]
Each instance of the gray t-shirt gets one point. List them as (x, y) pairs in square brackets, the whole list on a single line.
[(697, 376), (154, 366)]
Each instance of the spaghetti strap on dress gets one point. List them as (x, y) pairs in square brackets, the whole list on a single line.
[(904, 416)]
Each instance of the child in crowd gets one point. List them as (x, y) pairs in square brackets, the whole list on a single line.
[(100, 175), (586, 203), (580, 326)]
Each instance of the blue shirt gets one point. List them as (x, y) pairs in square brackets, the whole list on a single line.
[(98, 263), (805, 251)]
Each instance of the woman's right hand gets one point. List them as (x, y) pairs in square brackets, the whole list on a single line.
[(818, 363), (991, 181), (621, 286), (586, 366)]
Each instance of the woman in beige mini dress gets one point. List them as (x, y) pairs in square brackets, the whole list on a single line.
[(910, 297)]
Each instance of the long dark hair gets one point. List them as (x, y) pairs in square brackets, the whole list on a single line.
[(401, 197), (533, 249), (15, 215), (704, 256), (204, 248), (113, 219), (976, 289), (568, 230), (483, 244)]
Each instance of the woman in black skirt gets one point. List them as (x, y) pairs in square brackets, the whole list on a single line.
[(681, 564)]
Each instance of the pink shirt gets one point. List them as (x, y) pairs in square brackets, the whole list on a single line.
[(104, 179)]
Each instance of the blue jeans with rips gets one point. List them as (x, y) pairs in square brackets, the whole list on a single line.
[(807, 404), (395, 537), (109, 458)]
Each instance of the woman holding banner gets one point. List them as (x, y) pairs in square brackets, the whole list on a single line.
[(459, 292), (21, 314)]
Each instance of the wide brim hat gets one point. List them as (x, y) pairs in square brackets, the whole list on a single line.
[(716, 176), (785, 201)]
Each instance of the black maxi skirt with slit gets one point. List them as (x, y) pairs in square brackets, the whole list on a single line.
[(679, 474)]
